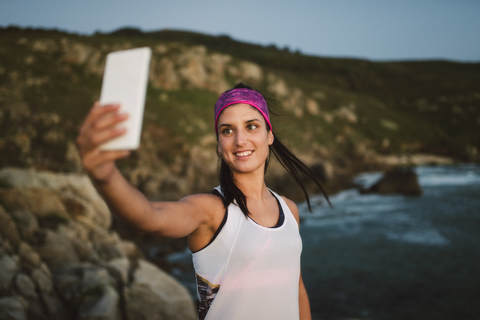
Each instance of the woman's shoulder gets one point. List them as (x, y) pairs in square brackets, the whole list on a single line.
[(204, 200), (293, 208)]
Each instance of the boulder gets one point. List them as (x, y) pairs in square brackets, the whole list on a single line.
[(78, 236), (397, 181), (28, 257), (43, 203), (68, 283), (43, 279), (55, 308), (8, 229), (75, 282), (95, 277), (13, 308), (9, 267), (107, 244), (75, 191), (58, 254), (103, 306), (25, 286), (119, 268), (156, 295), (26, 224), (56, 251)]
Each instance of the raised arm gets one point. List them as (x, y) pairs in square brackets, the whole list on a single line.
[(170, 219)]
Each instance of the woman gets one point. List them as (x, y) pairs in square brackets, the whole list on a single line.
[(244, 238)]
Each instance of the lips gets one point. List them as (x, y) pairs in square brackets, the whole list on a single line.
[(243, 153)]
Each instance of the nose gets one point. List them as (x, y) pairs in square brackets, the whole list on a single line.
[(240, 139)]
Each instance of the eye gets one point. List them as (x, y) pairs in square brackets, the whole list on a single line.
[(252, 126), (227, 131)]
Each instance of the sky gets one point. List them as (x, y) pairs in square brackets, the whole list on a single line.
[(377, 30)]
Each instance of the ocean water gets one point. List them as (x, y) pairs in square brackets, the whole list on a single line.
[(390, 257), (396, 257)]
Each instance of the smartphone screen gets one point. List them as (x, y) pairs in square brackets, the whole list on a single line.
[(125, 82)]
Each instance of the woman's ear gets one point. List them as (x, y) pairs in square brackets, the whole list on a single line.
[(270, 137)]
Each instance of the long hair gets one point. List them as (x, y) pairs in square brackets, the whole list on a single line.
[(294, 166)]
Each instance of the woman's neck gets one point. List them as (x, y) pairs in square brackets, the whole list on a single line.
[(252, 185)]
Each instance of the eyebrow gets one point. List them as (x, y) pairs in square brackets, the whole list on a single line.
[(229, 125)]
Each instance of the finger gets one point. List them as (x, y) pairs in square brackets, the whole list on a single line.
[(101, 123), (90, 139), (108, 121), (93, 140), (98, 110)]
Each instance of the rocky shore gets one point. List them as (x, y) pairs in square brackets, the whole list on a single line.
[(59, 259), (62, 256)]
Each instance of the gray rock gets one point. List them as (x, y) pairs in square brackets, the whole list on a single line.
[(55, 308), (41, 202), (107, 244), (68, 186), (28, 257), (68, 283), (119, 268), (25, 286), (13, 308), (95, 277), (43, 280), (156, 295), (74, 281), (8, 229), (26, 223), (129, 249), (398, 180), (5, 247), (78, 237), (100, 307), (56, 251), (8, 268)]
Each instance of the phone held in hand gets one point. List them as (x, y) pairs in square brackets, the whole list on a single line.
[(125, 82)]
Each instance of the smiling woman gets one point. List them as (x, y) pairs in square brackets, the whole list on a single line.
[(244, 237), (257, 121)]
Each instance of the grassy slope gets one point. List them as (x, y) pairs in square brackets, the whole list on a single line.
[(423, 106), (435, 103)]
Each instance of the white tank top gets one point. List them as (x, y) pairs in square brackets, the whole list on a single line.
[(249, 271)]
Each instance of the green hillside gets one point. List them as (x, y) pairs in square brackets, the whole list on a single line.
[(336, 111)]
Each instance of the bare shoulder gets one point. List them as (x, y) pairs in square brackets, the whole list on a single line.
[(206, 203), (293, 208), (202, 199)]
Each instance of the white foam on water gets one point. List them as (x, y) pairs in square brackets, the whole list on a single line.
[(404, 228), (468, 178), (335, 220), (367, 179), (440, 176), (425, 237)]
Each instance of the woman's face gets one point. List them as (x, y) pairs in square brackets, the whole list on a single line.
[(243, 138)]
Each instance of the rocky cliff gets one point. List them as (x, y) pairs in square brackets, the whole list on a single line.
[(48, 81), (59, 259)]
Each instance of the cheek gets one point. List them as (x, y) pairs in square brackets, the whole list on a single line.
[(223, 144)]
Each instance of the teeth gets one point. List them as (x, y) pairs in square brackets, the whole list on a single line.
[(243, 154)]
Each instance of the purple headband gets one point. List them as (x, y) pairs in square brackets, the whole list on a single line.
[(242, 95)]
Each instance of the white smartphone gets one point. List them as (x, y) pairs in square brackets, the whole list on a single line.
[(125, 82)]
